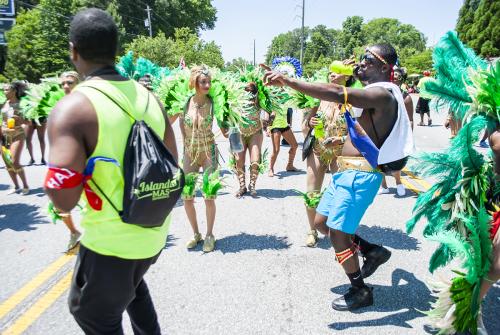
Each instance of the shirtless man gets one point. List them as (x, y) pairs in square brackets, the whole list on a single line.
[(384, 119), (114, 256)]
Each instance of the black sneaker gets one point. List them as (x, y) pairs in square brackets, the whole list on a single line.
[(373, 259), (355, 298)]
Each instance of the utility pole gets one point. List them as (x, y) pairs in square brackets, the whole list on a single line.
[(254, 64), (302, 33), (148, 22)]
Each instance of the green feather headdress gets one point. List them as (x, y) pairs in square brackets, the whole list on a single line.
[(142, 66), (227, 92)]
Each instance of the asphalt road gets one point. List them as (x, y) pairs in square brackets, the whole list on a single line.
[(260, 280)]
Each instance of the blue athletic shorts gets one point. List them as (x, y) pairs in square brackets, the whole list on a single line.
[(347, 198)]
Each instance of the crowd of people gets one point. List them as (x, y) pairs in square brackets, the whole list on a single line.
[(361, 134)]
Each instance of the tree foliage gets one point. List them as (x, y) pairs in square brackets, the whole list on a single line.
[(22, 52), (38, 42), (237, 64), (167, 51), (166, 15), (323, 45)]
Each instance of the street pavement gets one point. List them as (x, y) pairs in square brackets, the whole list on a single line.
[(261, 279)]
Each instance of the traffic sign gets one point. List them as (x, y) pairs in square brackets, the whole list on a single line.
[(5, 24), (7, 7)]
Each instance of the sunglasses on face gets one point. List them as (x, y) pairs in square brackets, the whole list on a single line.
[(368, 58)]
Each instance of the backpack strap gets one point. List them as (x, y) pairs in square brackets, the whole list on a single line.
[(131, 116), (116, 102)]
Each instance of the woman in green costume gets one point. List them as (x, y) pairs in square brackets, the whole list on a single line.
[(252, 137), (12, 134), (200, 151), (280, 127)]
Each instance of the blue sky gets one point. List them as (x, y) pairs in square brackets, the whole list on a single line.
[(240, 22)]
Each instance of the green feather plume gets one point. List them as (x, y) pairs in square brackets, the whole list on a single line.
[(190, 182), (311, 199), (212, 183), (264, 162), (40, 100), (485, 93), (452, 62)]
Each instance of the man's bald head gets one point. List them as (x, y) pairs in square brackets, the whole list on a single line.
[(94, 36)]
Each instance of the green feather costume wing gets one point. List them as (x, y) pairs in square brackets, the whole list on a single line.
[(455, 206), (40, 100), (452, 62)]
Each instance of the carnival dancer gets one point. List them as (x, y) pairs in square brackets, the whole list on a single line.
[(92, 123), (278, 122), (400, 76), (328, 119), (200, 151), (252, 137), (13, 135), (198, 98), (379, 139)]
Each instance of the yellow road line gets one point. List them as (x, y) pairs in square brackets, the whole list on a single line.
[(40, 306), (33, 284), (420, 181), (409, 185)]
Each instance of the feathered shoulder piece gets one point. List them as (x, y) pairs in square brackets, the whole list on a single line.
[(227, 92), (453, 63), (266, 97), (40, 100)]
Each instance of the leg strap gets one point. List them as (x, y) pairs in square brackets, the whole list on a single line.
[(344, 255), (311, 199)]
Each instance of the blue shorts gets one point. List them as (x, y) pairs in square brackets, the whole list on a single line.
[(347, 198)]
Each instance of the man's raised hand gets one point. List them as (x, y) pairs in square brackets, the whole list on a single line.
[(271, 77)]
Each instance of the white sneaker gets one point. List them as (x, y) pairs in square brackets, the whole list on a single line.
[(383, 190), (400, 190)]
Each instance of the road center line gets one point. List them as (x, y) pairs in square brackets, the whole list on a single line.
[(32, 314), (9, 304)]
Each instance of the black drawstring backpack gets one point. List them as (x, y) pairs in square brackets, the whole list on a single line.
[(153, 179)]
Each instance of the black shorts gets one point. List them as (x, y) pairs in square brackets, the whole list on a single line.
[(394, 166), (280, 130)]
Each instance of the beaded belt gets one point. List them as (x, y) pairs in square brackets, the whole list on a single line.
[(354, 163)]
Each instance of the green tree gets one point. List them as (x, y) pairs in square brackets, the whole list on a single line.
[(485, 32), (323, 43), (159, 49), (237, 64), (286, 44), (51, 42), (405, 38), (478, 26), (466, 19), (418, 63), (21, 51), (168, 51), (166, 15), (351, 36)]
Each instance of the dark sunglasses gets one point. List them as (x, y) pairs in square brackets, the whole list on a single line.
[(368, 58)]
